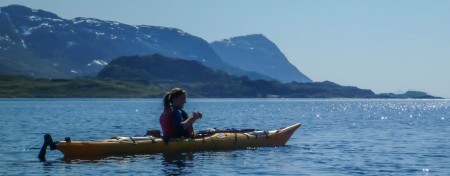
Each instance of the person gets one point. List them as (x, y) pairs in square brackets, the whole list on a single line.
[(175, 122)]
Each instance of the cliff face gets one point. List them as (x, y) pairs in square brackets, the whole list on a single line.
[(258, 54)]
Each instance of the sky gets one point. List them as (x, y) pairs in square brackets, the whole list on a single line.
[(382, 45)]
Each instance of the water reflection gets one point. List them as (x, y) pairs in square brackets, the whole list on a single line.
[(177, 163)]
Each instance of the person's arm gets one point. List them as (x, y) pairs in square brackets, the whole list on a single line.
[(178, 120), (181, 124), (188, 122)]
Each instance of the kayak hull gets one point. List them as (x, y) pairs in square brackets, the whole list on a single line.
[(149, 145)]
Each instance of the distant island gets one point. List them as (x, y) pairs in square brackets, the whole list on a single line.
[(151, 76)]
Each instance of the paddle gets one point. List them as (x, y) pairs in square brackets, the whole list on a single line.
[(48, 141)]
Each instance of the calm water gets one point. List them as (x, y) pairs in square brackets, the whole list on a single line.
[(338, 137)]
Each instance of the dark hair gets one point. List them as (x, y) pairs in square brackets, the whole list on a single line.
[(169, 96)]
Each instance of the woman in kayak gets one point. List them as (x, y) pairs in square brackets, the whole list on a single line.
[(175, 122)]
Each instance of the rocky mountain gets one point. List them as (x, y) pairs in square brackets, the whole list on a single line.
[(258, 54), (39, 43)]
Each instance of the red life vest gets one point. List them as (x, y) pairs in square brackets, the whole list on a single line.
[(166, 121), (168, 126)]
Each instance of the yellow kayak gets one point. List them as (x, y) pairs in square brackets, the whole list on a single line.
[(204, 141)]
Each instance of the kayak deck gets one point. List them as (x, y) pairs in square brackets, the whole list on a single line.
[(149, 144)]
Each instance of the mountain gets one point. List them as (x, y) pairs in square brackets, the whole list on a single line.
[(41, 44), (258, 54), (158, 68)]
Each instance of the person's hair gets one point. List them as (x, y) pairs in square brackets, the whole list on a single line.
[(169, 96)]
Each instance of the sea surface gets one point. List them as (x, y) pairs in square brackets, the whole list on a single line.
[(337, 136)]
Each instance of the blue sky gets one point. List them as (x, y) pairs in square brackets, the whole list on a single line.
[(382, 45)]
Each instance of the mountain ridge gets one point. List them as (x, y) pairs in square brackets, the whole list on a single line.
[(57, 47)]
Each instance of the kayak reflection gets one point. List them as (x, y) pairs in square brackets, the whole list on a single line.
[(177, 163)]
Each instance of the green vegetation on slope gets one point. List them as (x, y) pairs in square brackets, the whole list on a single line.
[(20, 86)]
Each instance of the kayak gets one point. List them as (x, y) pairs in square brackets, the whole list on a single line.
[(206, 140)]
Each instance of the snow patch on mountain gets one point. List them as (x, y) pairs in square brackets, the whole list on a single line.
[(182, 33), (71, 44), (99, 33), (87, 20), (27, 30), (23, 44), (97, 62), (35, 18), (5, 38), (45, 25), (146, 36), (39, 18)]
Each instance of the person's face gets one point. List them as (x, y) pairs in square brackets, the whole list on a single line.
[(179, 101)]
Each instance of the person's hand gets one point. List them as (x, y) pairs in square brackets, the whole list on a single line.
[(197, 115)]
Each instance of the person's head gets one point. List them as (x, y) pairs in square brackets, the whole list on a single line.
[(176, 97)]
